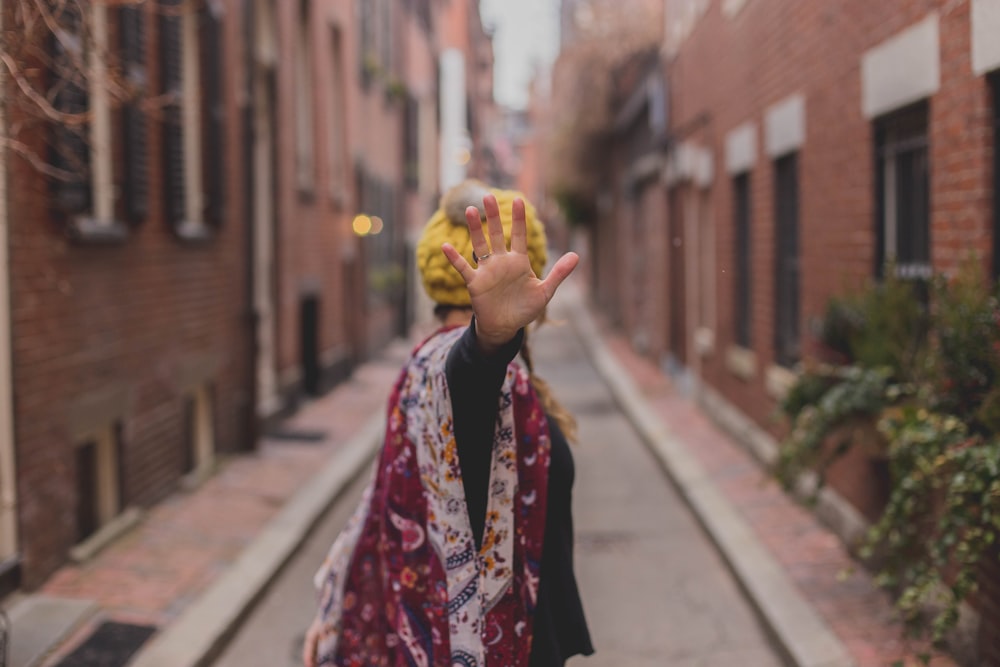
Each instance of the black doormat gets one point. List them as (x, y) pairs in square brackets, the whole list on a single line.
[(297, 435), (111, 645)]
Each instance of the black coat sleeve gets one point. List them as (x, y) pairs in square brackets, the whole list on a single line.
[(474, 381)]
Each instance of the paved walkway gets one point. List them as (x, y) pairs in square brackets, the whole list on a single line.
[(655, 591), (183, 544), (843, 593), (625, 511)]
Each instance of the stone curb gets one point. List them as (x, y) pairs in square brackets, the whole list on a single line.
[(201, 632), (802, 636)]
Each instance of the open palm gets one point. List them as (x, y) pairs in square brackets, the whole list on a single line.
[(506, 294)]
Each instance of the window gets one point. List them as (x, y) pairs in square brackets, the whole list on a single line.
[(183, 121), (337, 131), (98, 481), (903, 192), (742, 288), (995, 84), (786, 312), (304, 119), (80, 66)]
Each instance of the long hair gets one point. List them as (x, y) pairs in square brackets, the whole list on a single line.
[(563, 417)]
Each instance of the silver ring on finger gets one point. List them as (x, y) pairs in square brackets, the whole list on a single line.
[(479, 258)]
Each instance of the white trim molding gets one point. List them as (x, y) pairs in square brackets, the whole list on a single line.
[(690, 162), (741, 148), (191, 130), (903, 69), (785, 126), (985, 22), (741, 362), (8, 460), (730, 8), (704, 341), (778, 380)]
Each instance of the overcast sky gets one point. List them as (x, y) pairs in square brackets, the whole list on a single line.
[(527, 33)]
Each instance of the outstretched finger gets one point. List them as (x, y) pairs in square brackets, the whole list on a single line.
[(560, 271), (494, 225), (479, 244), (456, 259), (519, 228)]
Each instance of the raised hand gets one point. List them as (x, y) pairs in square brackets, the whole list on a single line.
[(506, 294)]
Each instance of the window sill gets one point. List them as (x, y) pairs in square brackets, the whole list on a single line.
[(193, 232), (89, 231), (741, 362), (704, 341)]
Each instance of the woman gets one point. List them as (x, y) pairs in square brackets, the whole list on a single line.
[(460, 552)]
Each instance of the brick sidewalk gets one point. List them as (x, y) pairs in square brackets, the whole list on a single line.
[(841, 591), (184, 543)]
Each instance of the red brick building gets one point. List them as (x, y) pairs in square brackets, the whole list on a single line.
[(226, 235), (806, 145), (128, 277)]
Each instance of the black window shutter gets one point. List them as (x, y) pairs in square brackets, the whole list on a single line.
[(742, 288), (135, 139), (70, 150), (173, 137), (213, 110)]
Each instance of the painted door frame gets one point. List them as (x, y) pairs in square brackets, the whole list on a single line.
[(264, 64), (8, 477)]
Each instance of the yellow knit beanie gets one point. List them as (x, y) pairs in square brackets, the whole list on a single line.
[(443, 283)]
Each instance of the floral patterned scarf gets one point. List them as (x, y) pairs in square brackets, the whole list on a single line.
[(403, 583)]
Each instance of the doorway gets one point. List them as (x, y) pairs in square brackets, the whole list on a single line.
[(677, 292)]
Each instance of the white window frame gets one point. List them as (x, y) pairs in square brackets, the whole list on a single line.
[(107, 485), (191, 120), (102, 167), (8, 480)]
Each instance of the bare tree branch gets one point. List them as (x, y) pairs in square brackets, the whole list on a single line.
[(36, 160), (71, 119), (78, 65)]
